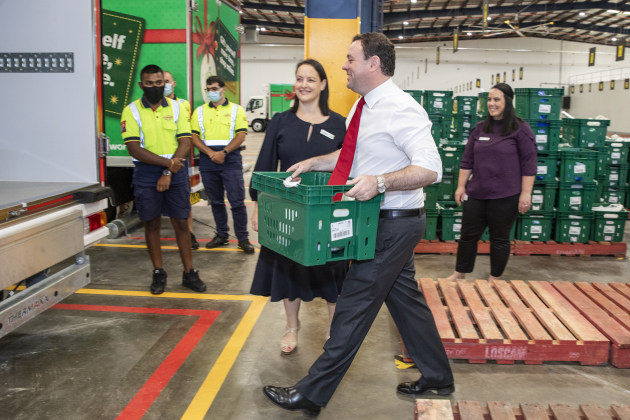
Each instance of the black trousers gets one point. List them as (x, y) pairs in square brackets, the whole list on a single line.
[(389, 278), (499, 215)]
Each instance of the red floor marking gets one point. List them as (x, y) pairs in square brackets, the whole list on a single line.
[(152, 388)]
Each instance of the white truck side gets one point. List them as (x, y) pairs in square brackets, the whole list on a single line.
[(51, 195)]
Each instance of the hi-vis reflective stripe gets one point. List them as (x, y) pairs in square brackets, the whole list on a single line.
[(209, 142), (136, 116)]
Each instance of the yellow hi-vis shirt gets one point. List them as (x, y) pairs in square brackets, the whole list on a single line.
[(157, 131), (218, 126), (185, 104)]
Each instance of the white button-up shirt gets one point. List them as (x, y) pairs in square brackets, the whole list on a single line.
[(395, 132)]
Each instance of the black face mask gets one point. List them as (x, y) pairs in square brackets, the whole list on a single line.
[(154, 94)]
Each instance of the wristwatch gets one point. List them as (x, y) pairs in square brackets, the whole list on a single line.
[(380, 184), (166, 172), (225, 151)]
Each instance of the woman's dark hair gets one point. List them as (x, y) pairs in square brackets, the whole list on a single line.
[(323, 96), (510, 121)]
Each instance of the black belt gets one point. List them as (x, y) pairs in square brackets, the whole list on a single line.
[(394, 214)]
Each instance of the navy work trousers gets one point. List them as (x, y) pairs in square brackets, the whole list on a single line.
[(217, 184)]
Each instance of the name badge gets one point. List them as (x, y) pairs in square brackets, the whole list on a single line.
[(327, 134), (484, 138)]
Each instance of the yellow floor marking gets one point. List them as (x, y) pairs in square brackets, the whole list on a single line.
[(172, 247), (201, 403)]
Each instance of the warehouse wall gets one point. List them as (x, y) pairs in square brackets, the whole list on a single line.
[(522, 62)]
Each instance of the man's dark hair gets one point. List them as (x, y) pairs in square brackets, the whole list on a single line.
[(375, 43), (150, 69), (215, 79), (510, 120), (323, 96)]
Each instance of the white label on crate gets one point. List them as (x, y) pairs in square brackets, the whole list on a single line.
[(613, 177), (579, 168), (544, 108), (341, 230), (536, 229), (613, 199), (575, 230), (541, 138), (466, 124), (541, 170), (609, 229), (575, 201), (438, 104), (466, 107), (457, 227), (615, 155), (538, 198), (608, 238)]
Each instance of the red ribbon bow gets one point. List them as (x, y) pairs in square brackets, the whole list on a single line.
[(205, 37)]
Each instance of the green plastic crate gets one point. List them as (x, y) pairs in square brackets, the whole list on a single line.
[(450, 220), (416, 94), (615, 176), (583, 132), (430, 195), (609, 223), (446, 188), (306, 226), (438, 101), (535, 226), (577, 165), (544, 196), (440, 128), (451, 155), (539, 104), (547, 166), (463, 124), (432, 216), (547, 134), (465, 105), (577, 196), (617, 152), (573, 226), (483, 104), (613, 195)]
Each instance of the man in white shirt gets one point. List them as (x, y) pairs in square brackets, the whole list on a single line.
[(396, 155)]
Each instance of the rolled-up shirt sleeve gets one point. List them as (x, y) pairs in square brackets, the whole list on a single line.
[(413, 136)]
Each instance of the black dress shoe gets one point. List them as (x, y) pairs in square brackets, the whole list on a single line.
[(290, 399), (418, 388)]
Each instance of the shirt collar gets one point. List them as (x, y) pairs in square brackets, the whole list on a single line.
[(146, 104), (379, 92), (211, 105)]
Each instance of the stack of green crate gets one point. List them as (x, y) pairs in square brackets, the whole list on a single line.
[(432, 215), (450, 220), (612, 171), (577, 190), (465, 105), (583, 132), (609, 223), (547, 166), (440, 128), (451, 154), (539, 103), (544, 195), (482, 105)]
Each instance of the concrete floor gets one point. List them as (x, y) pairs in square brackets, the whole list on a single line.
[(208, 355)]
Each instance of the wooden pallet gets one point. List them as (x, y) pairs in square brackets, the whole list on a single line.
[(506, 322), (498, 410), (617, 249)]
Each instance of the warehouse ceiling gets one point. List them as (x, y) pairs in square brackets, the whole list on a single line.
[(594, 22)]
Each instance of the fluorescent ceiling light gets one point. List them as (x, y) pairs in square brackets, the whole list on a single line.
[(582, 13), (613, 11), (469, 33), (613, 39), (400, 37)]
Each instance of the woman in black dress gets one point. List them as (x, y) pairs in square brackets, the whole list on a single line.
[(308, 129)]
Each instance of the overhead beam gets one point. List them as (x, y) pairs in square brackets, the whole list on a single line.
[(399, 17), (297, 26), (273, 7)]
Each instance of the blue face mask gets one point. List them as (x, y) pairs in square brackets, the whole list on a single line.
[(214, 96), (168, 89)]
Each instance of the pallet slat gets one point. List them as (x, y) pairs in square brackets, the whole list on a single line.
[(621, 411), (480, 313), (470, 410), (534, 412), (595, 412), (612, 294), (434, 410), (622, 288), (606, 304), (531, 325), (459, 315), (500, 411), (502, 314), (434, 302)]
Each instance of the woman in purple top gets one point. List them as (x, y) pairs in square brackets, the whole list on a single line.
[(496, 178)]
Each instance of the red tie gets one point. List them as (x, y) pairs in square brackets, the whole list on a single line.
[(341, 172)]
